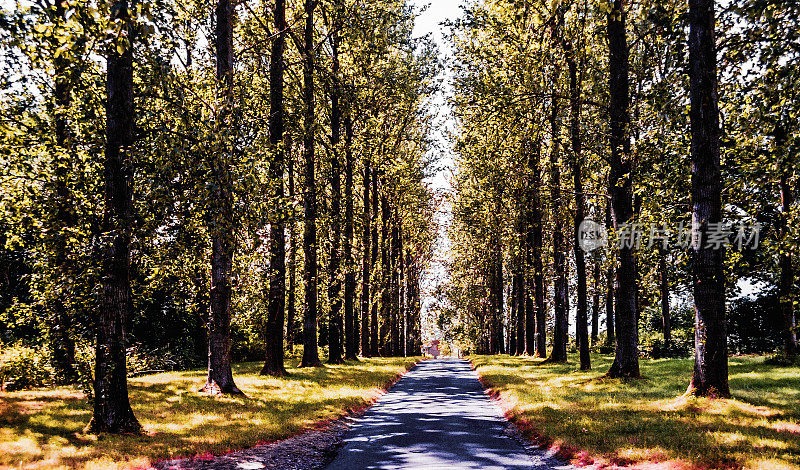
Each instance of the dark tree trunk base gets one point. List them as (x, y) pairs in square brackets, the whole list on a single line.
[(124, 425), (273, 372), (708, 392), (617, 371), (213, 388)]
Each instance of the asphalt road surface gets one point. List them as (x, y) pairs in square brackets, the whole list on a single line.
[(437, 417)]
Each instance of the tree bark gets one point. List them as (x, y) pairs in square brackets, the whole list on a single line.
[(596, 303), (414, 346), (350, 316), (710, 377), (291, 309), (112, 410), (666, 324), (310, 349), (786, 282), (536, 314), (560, 294), (386, 278), (512, 303), (521, 261), (377, 281), (220, 375), (497, 276), (581, 326), (273, 363), (626, 358), (366, 263), (394, 328), (611, 339), (403, 321)]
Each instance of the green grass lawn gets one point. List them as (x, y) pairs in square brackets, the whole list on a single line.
[(643, 421), (43, 428)]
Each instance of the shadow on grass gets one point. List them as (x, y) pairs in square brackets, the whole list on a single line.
[(649, 420), (47, 425)]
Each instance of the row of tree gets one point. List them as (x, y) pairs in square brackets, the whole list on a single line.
[(215, 126), (610, 110)]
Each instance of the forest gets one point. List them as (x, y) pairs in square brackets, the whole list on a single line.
[(613, 112), (243, 200), (164, 199)]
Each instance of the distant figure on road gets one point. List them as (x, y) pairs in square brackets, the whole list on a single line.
[(432, 348)]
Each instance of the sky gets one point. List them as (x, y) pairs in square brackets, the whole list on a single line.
[(430, 22)]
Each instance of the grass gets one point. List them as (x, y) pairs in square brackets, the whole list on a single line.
[(43, 428), (646, 421)]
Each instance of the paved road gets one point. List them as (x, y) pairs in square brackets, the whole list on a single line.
[(436, 417)]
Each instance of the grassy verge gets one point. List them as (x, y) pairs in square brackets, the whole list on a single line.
[(43, 428), (646, 421)]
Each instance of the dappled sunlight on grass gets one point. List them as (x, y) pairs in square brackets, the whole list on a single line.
[(44, 428), (650, 420)]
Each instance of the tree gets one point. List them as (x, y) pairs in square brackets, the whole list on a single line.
[(710, 376), (310, 351), (560, 293), (334, 263), (273, 364), (220, 375), (581, 327), (366, 261), (111, 408), (377, 279), (626, 358), (350, 316)]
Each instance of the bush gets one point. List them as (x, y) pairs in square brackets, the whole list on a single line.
[(660, 349), (24, 367), (141, 359), (84, 365)]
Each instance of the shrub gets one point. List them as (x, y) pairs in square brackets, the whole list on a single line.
[(660, 349), (24, 367), (141, 359)]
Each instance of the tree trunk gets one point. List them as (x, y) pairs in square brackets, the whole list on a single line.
[(334, 276), (414, 346), (560, 294), (291, 311), (310, 350), (220, 376), (581, 326), (386, 278), (497, 276), (403, 321), (785, 285), (665, 318), (512, 323), (273, 364), (366, 263), (626, 359), (350, 316), (611, 339), (535, 308), (519, 302), (710, 377), (374, 341), (112, 410), (596, 303), (394, 328)]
